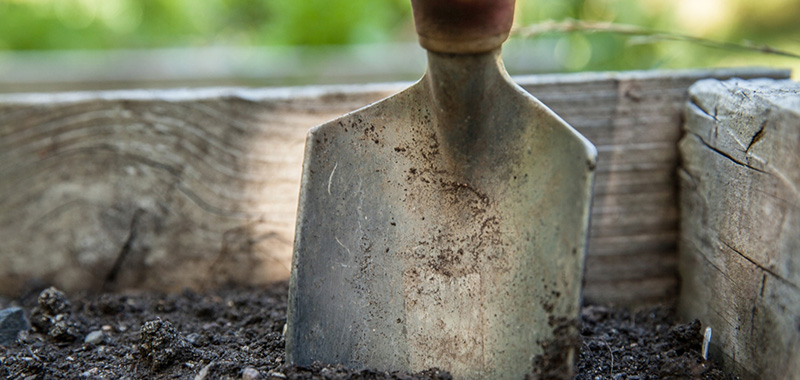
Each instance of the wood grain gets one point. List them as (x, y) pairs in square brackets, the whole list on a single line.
[(634, 120), (176, 188), (740, 238)]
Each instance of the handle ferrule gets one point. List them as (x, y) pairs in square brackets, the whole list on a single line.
[(462, 26)]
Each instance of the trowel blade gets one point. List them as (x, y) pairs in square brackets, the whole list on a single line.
[(415, 249)]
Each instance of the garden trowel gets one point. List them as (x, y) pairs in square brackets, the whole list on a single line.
[(444, 226)]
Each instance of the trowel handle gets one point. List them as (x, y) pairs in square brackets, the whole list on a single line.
[(462, 26)]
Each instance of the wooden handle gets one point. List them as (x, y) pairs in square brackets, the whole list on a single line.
[(463, 26)]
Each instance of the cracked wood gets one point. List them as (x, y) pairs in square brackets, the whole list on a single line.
[(740, 237)]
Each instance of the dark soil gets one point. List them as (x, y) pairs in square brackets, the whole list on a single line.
[(237, 334)]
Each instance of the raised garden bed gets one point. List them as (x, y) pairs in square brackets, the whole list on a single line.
[(153, 192)]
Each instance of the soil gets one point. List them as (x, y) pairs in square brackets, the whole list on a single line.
[(237, 334)]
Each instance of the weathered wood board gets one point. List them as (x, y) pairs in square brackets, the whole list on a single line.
[(178, 188), (740, 233)]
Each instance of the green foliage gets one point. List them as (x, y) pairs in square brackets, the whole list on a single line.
[(766, 22), (106, 24), (326, 22), (125, 24), (598, 52)]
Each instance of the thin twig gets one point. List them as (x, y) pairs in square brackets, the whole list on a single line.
[(610, 370), (568, 26)]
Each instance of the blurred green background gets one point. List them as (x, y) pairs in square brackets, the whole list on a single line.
[(107, 25)]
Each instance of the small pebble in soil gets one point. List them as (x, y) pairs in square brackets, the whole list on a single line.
[(95, 338), (203, 374), (250, 373), (12, 321), (193, 339), (91, 373)]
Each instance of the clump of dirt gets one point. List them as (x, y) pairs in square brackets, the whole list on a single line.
[(237, 334), (161, 345), (52, 317)]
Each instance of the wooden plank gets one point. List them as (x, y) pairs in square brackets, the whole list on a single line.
[(177, 188), (740, 241), (614, 277), (634, 245), (620, 292), (636, 134)]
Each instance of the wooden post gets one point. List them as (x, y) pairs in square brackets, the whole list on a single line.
[(740, 229)]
